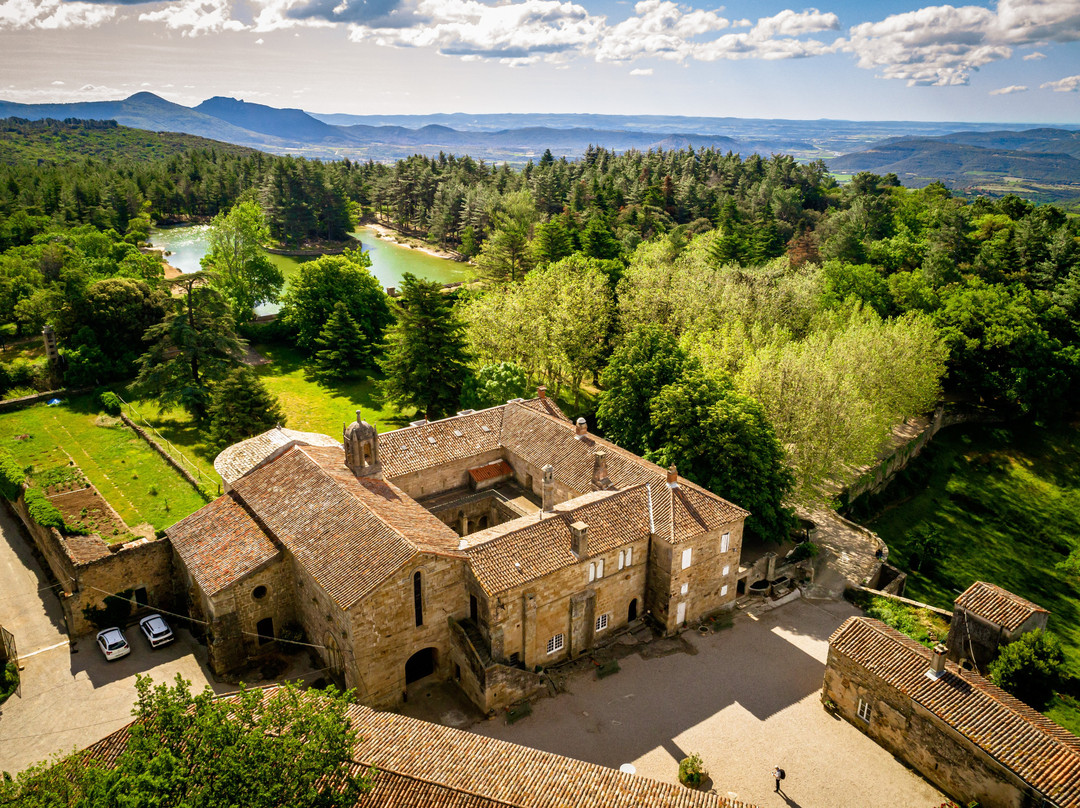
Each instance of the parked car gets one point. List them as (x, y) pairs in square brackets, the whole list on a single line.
[(113, 643), (157, 631)]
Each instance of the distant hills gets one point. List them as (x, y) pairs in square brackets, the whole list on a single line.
[(1039, 162)]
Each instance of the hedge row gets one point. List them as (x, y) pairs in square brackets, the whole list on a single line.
[(11, 476), (42, 511)]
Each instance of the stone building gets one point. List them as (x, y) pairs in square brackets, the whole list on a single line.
[(967, 736), (478, 548), (986, 617)]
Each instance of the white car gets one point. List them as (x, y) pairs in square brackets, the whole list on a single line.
[(113, 643), (157, 631)]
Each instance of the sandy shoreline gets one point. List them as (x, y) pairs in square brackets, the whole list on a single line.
[(390, 234)]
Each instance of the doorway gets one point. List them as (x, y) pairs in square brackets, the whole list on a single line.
[(474, 609), (420, 664), (631, 613)]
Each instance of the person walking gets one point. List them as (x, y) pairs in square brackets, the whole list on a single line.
[(778, 775)]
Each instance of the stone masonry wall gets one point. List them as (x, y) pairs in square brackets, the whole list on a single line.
[(920, 739), (442, 478)]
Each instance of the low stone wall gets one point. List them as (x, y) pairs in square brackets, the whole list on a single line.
[(18, 403), (168, 458)]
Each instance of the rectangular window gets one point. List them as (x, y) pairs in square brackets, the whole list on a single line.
[(687, 554), (629, 556), (555, 644), (723, 590), (622, 559), (727, 570), (601, 622), (684, 589), (725, 542), (600, 568), (864, 711), (592, 573)]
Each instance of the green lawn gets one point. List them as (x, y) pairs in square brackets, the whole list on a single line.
[(131, 477), (1005, 502)]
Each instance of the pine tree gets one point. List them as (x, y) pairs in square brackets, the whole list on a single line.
[(242, 408), (342, 346), (425, 359)]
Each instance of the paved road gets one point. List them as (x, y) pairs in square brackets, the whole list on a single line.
[(69, 697), (748, 701)]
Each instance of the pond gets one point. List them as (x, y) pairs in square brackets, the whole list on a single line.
[(389, 261)]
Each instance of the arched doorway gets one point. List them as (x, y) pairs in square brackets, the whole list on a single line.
[(631, 613), (420, 664)]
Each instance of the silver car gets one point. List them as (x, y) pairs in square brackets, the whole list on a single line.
[(113, 643), (157, 631)]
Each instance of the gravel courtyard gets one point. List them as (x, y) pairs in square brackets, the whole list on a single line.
[(747, 701)]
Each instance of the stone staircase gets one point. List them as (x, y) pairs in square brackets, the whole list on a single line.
[(483, 650)]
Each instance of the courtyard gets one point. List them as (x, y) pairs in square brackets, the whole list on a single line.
[(747, 700)]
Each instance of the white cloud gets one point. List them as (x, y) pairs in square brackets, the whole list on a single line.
[(943, 45), (1069, 84), (54, 95), (196, 17), (641, 71), (1031, 57), (53, 14), (1012, 88), (58, 84), (660, 29)]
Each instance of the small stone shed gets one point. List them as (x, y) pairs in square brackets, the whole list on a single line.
[(987, 617), (970, 738)]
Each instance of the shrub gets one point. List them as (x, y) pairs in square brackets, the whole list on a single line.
[(110, 402), (9, 680), (691, 771), (804, 551), (1030, 668), (11, 477), (42, 511)]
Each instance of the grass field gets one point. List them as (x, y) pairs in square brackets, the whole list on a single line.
[(139, 485), (1005, 503)]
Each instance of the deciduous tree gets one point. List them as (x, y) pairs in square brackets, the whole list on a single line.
[(242, 272)]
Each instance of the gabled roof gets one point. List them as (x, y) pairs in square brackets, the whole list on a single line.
[(414, 448), (349, 533), (220, 543), (534, 547), (1040, 752), (424, 765), (240, 458), (996, 605)]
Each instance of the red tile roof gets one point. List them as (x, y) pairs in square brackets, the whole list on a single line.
[(415, 448), (220, 544), (491, 471), (999, 606), (1040, 752)]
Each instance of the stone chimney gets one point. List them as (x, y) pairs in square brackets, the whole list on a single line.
[(600, 479), (579, 539), (937, 661), (549, 490), (541, 392), (672, 476), (581, 429)]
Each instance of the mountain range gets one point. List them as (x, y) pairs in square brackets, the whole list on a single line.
[(965, 156)]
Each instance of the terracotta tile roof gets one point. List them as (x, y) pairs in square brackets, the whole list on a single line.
[(507, 773), (220, 544), (1040, 752), (350, 534), (85, 549), (424, 765), (545, 405), (240, 458), (997, 605), (540, 547), (421, 447), (491, 471)]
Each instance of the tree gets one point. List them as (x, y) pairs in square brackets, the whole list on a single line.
[(256, 748), (242, 272), (313, 292), (648, 360), (506, 256), (425, 359), (194, 346), (242, 408), (1030, 668), (722, 440), (494, 384), (342, 346)]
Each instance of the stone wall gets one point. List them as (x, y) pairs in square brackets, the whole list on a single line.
[(523, 619), (921, 740), (973, 639), (384, 633), (707, 585), (492, 686), (447, 477)]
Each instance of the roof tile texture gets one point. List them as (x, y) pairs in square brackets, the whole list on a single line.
[(240, 458), (1039, 751), (997, 605)]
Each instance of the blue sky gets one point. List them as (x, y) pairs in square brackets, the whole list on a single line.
[(1011, 60)]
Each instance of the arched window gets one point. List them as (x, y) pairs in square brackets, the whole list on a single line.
[(418, 599)]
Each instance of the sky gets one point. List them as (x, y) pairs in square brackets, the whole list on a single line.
[(1004, 61)]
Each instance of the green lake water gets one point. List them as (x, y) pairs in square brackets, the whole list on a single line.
[(389, 261)]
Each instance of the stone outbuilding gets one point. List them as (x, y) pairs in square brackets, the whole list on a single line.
[(964, 734), (987, 617), (479, 548)]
